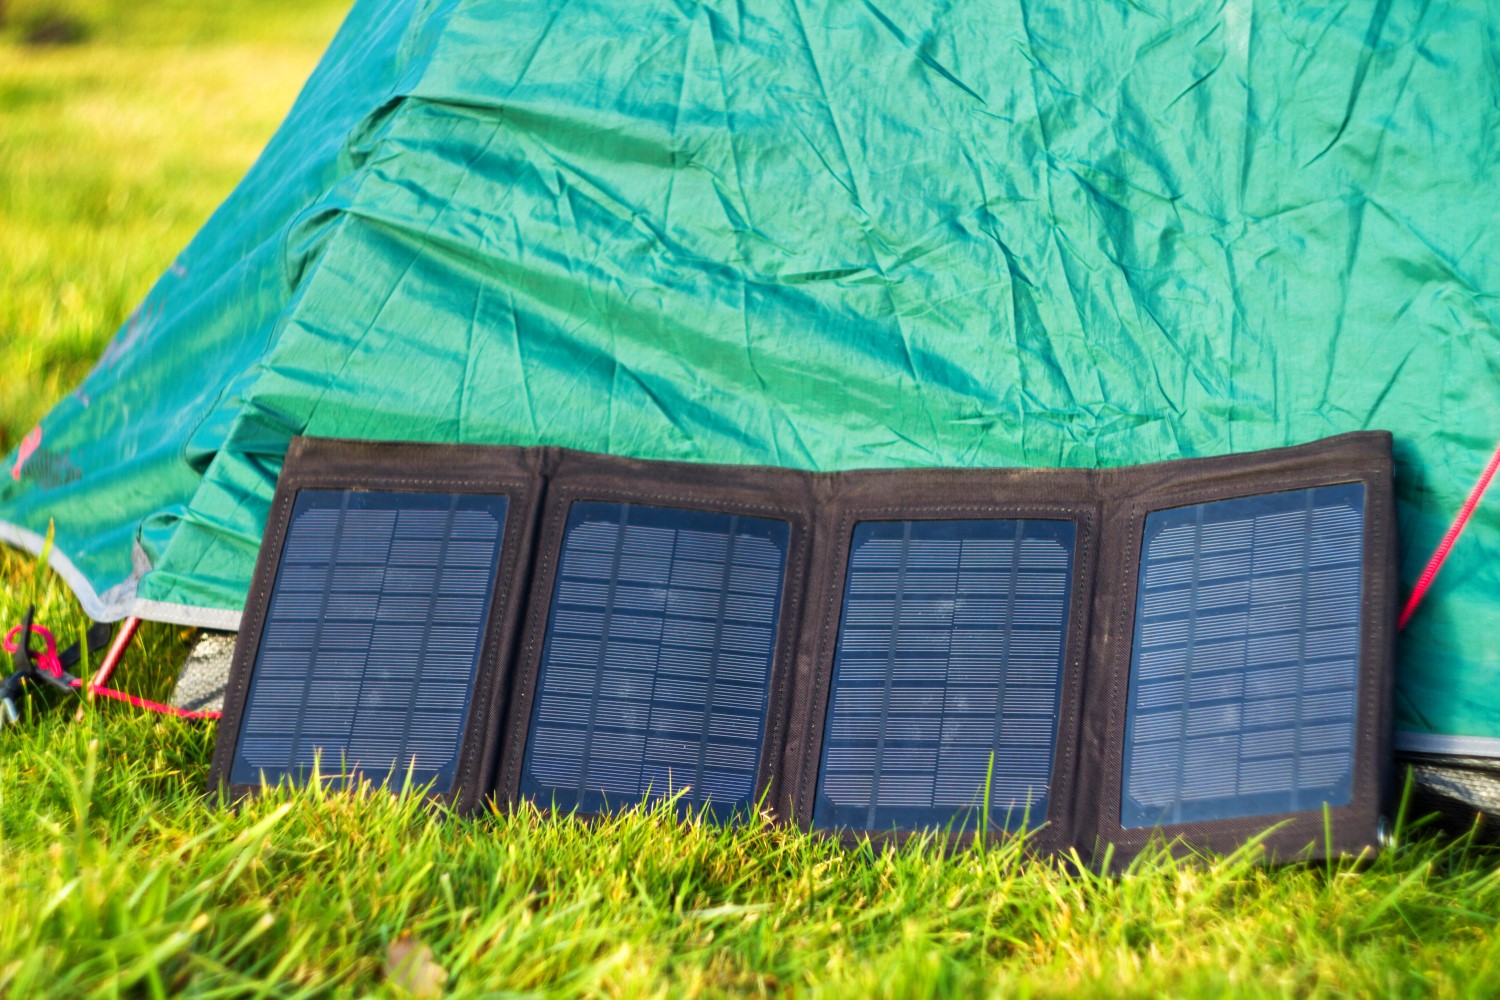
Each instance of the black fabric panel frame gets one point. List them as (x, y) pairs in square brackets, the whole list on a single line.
[(781, 494), (940, 495), (1133, 493), (334, 464)]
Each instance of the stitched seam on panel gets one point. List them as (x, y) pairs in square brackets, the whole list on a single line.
[(470, 756), (609, 495), (823, 685), (524, 683), (239, 687), (1076, 662), (795, 602)]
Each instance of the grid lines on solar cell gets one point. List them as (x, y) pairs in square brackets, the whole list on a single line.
[(656, 665), (1244, 666), (372, 636), (947, 675)]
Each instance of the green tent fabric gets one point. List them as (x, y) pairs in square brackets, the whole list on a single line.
[(827, 237)]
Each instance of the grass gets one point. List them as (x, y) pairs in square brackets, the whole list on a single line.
[(119, 877)]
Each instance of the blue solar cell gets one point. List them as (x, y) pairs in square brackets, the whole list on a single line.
[(372, 636), (947, 675), (656, 666), (1245, 662)]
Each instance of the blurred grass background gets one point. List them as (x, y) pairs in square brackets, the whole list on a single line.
[(122, 126)]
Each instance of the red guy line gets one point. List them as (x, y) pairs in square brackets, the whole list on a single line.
[(1454, 530)]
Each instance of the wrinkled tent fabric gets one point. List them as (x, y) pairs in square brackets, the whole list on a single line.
[(828, 237)]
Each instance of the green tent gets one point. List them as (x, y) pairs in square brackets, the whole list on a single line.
[(829, 237)]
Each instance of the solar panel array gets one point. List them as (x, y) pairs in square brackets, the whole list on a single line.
[(637, 652), (1245, 663), (947, 675), (656, 665), (372, 637)]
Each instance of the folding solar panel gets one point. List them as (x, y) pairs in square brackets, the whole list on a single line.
[(370, 648), (1245, 664), (947, 675), (655, 670), (1200, 647), (373, 633)]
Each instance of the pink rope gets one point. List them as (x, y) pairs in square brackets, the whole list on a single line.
[(1436, 562), (47, 661), (150, 706), (112, 659)]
